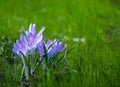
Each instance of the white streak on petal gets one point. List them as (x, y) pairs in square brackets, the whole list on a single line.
[(42, 29), (30, 27)]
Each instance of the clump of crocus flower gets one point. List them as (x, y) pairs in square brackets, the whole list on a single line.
[(31, 43)]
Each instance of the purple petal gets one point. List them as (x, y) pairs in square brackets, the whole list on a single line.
[(23, 39), (59, 46), (52, 51), (39, 38), (49, 43), (23, 49), (32, 45), (16, 48), (31, 37), (41, 48)]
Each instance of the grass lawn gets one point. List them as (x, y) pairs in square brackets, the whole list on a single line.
[(94, 62)]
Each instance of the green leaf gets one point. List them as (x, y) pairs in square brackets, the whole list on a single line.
[(45, 53)]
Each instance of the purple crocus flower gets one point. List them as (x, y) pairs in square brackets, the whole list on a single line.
[(47, 45), (21, 46), (52, 48), (55, 48), (33, 38)]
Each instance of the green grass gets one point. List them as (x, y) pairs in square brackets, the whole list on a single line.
[(97, 61)]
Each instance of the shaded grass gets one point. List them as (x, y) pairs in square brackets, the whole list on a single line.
[(97, 61)]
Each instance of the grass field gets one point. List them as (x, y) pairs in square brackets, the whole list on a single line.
[(94, 62)]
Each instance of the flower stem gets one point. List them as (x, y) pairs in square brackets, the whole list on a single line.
[(26, 68), (32, 63)]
